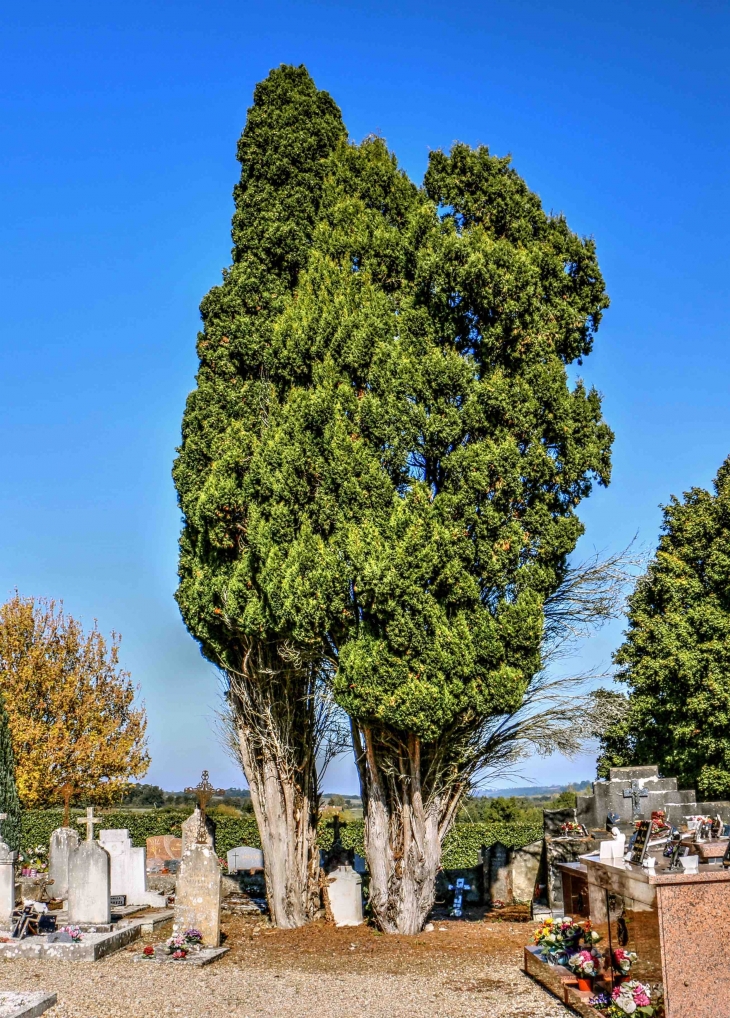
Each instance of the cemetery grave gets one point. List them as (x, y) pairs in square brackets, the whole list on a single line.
[(641, 908)]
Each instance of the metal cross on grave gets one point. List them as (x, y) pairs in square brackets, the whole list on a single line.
[(636, 793), (204, 792), (89, 820)]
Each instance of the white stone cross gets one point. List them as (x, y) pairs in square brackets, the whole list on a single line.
[(89, 820)]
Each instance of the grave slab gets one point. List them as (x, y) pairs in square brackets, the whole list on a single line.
[(206, 956), (25, 1005), (93, 947)]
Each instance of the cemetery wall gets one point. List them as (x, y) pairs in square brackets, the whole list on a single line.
[(462, 848)]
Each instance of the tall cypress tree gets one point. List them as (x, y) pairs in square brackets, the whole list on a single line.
[(226, 596), (675, 659), (9, 801), (440, 451)]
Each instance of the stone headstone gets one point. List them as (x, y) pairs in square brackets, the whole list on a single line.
[(499, 876), (245, 858), (198, 893), (344, 890), (89, 885), (191, 830), (7, 884), (162, 850), (63, 842), (128, 869)]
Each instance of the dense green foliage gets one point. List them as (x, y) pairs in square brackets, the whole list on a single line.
[(9, 801), (676, 656), (239, 520), (512, 809), (461, 849), (383, 456), (486, 448)]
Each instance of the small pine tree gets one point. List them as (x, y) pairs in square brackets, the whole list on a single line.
[(675, 659), (9, 801)]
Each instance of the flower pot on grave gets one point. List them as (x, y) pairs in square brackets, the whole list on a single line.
[(585, 984)]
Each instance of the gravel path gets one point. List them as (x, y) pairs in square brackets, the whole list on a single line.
[(461, 970)]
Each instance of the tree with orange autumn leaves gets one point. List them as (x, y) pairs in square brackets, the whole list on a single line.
[(75, 729)]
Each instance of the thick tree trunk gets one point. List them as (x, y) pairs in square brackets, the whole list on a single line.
[(405, 825), (274, 717)]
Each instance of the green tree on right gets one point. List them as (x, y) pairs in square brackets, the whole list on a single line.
[(675, 659)]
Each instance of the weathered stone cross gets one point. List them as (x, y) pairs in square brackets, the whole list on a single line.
[(204, 792), (636, 793), (89, 820)]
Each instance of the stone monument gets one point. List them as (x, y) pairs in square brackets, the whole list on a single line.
[(7, 880), (198, 889), (89, 879), (245, 858), (633, 793), (128, 869), (344, 891), (64, 841)]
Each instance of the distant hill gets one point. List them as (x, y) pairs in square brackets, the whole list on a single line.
[(530, 791)]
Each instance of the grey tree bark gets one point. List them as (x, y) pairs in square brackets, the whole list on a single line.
[(407, 816), (272, 726)]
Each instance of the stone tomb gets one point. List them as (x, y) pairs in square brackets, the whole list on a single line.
[(629, 793), (64, 841), (245, 858), (128, 869), (633, 793), (25, 1005), (7, 879), (510, 874), (198, 893)]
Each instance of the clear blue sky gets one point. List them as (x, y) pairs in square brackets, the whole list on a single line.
[(119, 124)]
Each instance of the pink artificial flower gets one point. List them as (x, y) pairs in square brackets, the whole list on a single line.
[(640, 998)]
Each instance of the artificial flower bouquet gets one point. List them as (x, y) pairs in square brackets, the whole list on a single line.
[(585, 963), (623, 960), (182, 944), (73, 932), (629, 998), (560, 938), (571, 827)]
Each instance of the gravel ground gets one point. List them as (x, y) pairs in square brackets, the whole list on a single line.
[(461, 970)]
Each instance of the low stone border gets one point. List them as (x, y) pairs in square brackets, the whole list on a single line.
[(25, 1005)]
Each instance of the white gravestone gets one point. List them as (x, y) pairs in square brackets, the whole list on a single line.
[(89, 879), (245, 858), (63, 842), (344, 890), (198, 894), (129, 869), (7, 881)]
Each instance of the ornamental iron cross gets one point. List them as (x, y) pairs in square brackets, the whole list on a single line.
[(204, 792), (89, 820), (636, 793)]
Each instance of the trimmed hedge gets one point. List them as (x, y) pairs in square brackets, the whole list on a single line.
[(461, 848)]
